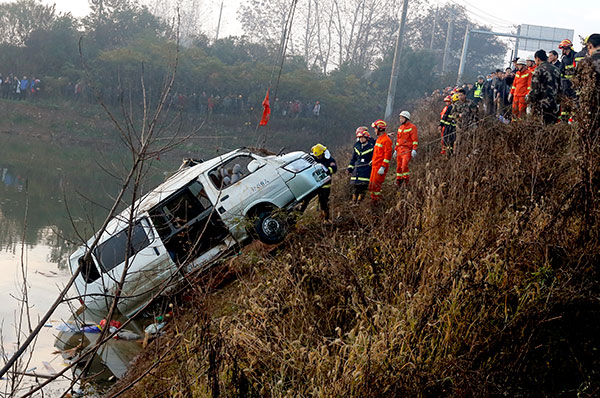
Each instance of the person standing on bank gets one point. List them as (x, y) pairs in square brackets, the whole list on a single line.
[(382, 155), (360, 164), (407, 141)]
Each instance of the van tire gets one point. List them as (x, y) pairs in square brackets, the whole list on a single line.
[(271, 227)]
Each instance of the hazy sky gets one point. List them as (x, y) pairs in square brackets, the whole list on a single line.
[(581, 15)]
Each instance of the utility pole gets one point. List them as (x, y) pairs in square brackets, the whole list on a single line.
[(463, 58), (219, 23), (448, 40), (437, 10), (389, 107), (517, 42)]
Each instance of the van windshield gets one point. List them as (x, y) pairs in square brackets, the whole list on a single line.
[(114, 251)]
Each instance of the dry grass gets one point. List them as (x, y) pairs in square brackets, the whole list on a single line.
[(480, 280)]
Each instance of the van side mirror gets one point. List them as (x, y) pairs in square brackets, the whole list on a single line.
[(253, 166)]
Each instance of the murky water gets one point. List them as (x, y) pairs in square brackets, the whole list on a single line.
[(44, 193)]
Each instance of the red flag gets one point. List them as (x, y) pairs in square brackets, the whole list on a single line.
[(266, 110)]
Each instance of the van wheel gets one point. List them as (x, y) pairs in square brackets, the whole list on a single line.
[(271, 227)]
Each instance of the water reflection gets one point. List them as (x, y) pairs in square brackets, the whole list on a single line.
[(45, 191)]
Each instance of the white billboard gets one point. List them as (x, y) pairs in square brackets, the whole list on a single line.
[(543, 37)]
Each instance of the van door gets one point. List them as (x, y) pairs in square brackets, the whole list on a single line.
[(188, 225), (238, 185)]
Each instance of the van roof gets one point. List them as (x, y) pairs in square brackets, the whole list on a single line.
[(175, 182)]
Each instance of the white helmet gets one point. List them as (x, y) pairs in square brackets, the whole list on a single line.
[(406, 114)]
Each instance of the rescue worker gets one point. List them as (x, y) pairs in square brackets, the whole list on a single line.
[(382, 154), (520, 89), (447, 127), (478, 91), (587, 81), (567, 72), (545, 84), (579, 56), (360, 164), (531, 65), (321, 155), (407, 141), (464, 111)]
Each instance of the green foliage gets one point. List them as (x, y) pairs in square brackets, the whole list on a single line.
[(19, 19)]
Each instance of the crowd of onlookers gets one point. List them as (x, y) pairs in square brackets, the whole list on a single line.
[(539, 82), (234, 104), (11, 87)]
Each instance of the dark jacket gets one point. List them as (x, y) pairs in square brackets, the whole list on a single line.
[(360, 163), (329, 164), (567, 71)]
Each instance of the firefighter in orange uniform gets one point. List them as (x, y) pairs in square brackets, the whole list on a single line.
[(407, 141), (519, 90), (445, 121), (381, 159)]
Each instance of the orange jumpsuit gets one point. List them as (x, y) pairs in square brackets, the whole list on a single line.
[(381, 157), (520, 88), (406, 140)]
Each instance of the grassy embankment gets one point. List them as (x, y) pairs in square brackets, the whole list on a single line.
[(481, 279)]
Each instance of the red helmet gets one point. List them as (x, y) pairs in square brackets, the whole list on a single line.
[(566, 43), (448, 99), (361, 130), (379, 124)]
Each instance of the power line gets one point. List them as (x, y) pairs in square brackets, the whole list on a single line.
[(487, 13), (494, 21)]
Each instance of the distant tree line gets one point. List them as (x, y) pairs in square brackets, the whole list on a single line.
[(340, 52)]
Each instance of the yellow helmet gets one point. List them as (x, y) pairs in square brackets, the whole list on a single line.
[(454, 97), (318, 150)]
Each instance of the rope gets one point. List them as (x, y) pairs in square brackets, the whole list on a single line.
[(281, 58)]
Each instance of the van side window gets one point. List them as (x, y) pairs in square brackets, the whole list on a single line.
[(114, 251), (231, 171), (187, 223)]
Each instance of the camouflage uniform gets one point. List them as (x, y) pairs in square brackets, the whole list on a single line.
[(464, 114), (587, 82), (545, 85)]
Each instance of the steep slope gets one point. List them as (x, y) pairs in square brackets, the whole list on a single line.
[(481, 279)]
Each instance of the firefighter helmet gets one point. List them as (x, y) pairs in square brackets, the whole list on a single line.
[(406, 114), (379, 124), (361, 130), (448, 99), (566, 43), (318, 150), (454, 97)]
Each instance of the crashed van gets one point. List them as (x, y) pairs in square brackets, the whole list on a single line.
[(197, 215)]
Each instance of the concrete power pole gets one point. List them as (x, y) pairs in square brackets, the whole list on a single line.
[(219, 23), (437, 10), (517, 43), (448, 40), (463, 58), (389, 107)]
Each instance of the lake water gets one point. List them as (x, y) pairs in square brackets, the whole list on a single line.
[(45, 190)]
